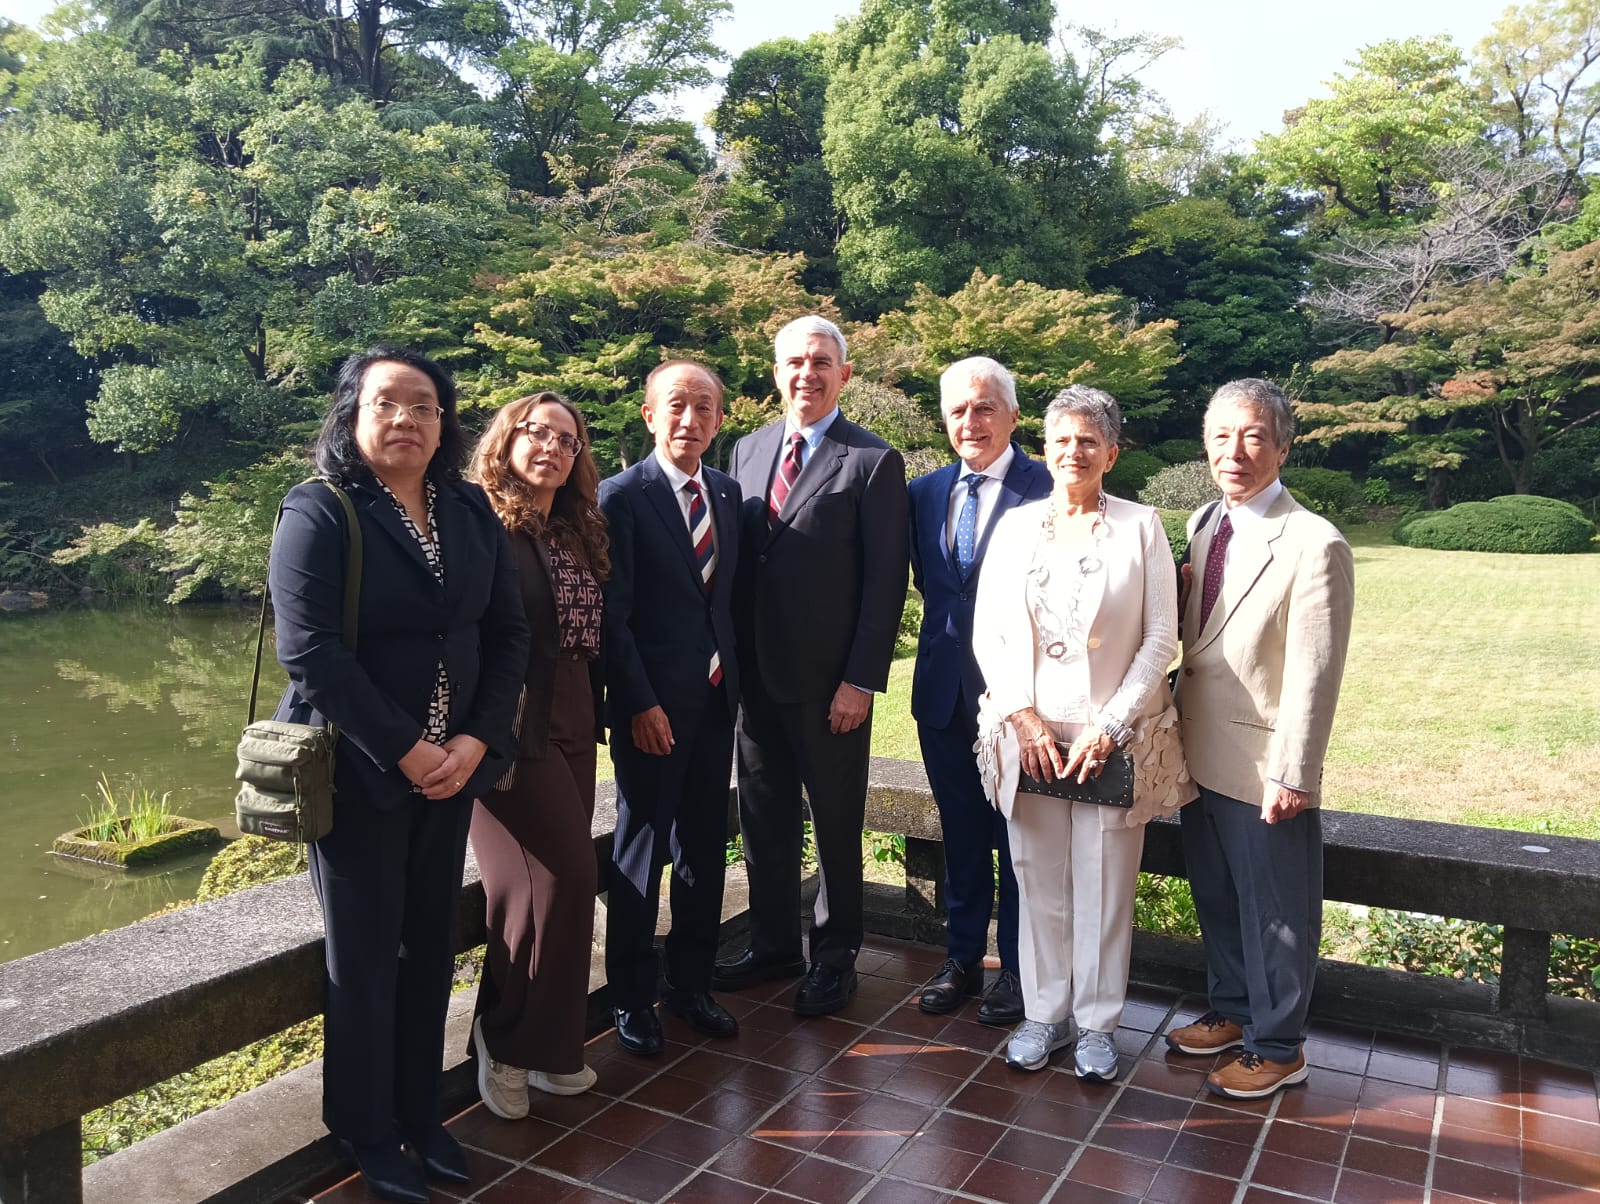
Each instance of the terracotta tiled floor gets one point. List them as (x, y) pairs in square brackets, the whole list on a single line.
[(883, 1104)]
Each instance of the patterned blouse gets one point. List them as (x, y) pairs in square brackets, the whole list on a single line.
[(438, 723), (579, 603)]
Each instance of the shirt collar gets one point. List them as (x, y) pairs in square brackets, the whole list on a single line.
[(998, 469), (811, 434), (1247, 514), (677, 476)]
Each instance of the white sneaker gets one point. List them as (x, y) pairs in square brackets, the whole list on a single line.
[(1095, 1058), (1034, 1041), (504, 1088), (563, 1084)]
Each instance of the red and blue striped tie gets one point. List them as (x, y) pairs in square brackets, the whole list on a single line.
[(705, 554)]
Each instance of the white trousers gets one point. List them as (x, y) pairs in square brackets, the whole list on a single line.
[(1076, 884)]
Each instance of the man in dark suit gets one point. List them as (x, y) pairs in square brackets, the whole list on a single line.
[(953, 510), (672, 687), (822, 586)]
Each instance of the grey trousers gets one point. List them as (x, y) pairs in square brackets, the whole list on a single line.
[(1258, 893)]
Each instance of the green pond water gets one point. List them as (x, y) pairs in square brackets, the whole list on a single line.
[(154, 696)]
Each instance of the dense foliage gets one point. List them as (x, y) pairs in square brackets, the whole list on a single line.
[(204, 207), (1516, 523)]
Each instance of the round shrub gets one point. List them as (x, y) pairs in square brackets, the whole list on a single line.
[(1326, 491), (1132, 469), (1515, 523), (1180, 451), (1186, 487), (1176, 525)]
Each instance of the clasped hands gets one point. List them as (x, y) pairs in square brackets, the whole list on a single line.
[(441, 770), (1041, 757)]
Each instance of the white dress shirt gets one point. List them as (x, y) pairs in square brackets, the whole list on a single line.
[(988, 496), (677, 478)]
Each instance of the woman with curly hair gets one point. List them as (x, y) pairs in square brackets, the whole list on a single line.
[(531, 833)]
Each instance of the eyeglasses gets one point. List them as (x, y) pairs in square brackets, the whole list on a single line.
[(423, 413), (538, 432)]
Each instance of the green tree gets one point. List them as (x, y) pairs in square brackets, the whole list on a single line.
[(956, 143), (1048, 338), (580, 70), (1376, 133), (769, 122), (217, 237)]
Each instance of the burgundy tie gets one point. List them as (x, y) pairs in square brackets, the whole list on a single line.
[(1215, 555), (705, 554), (783, 480)]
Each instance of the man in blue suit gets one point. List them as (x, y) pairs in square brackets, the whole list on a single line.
[(672, 692), (953, 511)]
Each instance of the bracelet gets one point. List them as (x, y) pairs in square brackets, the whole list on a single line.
[(1120, 733)]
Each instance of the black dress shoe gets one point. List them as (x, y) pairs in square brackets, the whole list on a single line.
[(825, 990), (1002, 1002), (386, 1172), (747, 970), (639, 1031), (704, 1014), (953, 983), (441, 1155)]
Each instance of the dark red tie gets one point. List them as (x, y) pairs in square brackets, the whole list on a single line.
[(783, 480), (705, 554), (1215, 555)]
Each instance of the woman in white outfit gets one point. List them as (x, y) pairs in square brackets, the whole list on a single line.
[(1076, 626)]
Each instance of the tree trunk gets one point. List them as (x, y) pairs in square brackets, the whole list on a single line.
[(1436, 489)]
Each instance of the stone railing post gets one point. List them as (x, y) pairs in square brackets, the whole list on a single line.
[(44, 1169), (925, 888), (1524, 974)]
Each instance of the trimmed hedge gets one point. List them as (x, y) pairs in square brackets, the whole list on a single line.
[(1176, 525), (1129, 474), (1514, 523), (1180, 451), (1329, 492), (1186, 486)]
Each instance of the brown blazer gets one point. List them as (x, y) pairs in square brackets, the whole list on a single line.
[(539, 603)]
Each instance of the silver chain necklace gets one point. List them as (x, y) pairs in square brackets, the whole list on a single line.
[(1052, 631)]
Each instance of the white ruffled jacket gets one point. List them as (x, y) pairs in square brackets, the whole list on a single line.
[(1115, 671)]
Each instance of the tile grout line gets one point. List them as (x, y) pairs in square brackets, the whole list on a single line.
[(1438, 1124), (1255, 1151)]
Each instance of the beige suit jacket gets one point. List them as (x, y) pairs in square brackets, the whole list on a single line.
[(1260, 681)]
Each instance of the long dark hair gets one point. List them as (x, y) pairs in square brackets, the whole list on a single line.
[(575, 516), (336, 452)]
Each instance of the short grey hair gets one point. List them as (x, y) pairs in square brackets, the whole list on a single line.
[(812, 324), (977, 370), (1264, 397), (1098, 406)]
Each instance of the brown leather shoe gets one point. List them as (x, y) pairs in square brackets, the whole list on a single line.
[(1255, 1077), (1211, 1034)]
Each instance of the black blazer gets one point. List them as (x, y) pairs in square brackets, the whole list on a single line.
[(660, 622), (821, 592), (539, 602), (378, 694), (945, 663)]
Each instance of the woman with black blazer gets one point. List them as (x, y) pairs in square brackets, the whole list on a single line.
[(423, 705), (531, 835)]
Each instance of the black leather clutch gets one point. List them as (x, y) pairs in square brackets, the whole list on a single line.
[(1112, 788)]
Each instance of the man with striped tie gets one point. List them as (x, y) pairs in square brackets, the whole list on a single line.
[(822, 583), (672, 691)]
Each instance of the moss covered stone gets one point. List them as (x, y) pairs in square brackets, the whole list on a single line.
[(181, 837)]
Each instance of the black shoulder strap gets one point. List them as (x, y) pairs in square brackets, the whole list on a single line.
[(352, 585)]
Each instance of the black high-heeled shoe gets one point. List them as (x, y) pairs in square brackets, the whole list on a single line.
[(386, 1172), (441, 1154)]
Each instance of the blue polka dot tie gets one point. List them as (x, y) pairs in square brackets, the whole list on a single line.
[(967, 526)]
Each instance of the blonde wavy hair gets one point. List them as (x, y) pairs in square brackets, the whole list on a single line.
[(574, 519)]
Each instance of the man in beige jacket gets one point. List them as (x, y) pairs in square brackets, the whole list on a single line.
[(1265, 624)]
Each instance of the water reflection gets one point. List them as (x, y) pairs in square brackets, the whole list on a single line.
[(153, 695)]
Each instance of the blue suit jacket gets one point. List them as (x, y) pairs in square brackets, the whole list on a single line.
[(660, 623), (945, 665), (378, 693)]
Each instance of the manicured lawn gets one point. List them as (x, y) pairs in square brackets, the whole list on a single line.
[(1472, 692)]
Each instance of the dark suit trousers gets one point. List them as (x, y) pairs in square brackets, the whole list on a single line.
[(780, 748), (536, 857), (671, 809), (1258, 893), (973, 831), (388, 882)]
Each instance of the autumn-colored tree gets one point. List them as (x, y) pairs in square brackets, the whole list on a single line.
[(1515, 361)]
